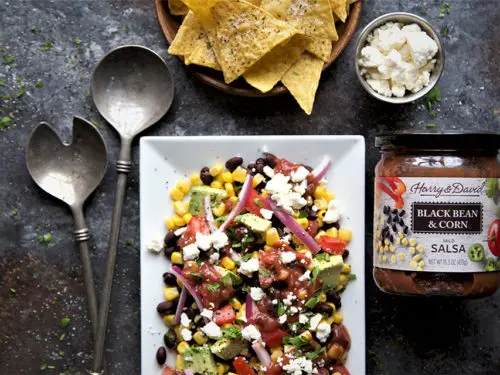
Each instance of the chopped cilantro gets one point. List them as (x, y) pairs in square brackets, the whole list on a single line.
[(64, 322), (302, 214), (129, 242), (232, 332), (208, 45), (45, 239), (431, 125), (39, 83), (13, 291), (127, 28), (445, 31), (432, 97), (196, 275), (313, 355), (21, 92), (351, 276), (33, 29), (297, 341), (257, 202), (213, 287), (46, 46), (44, 366), (312, 302), (238, 218), (2, 82), (315, 274), (295, 74), (8, 59), (77, 41), (4, 122), (281, 308), (445, 8), (323, 257), (236, 245), (231, 278), (61, 338), (18, 79), (264, 272), (6, 97), (38, 338), (247, 257)]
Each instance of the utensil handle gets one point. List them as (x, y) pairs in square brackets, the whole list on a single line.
[(123, 167)]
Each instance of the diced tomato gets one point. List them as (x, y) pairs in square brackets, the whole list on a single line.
[(212, 290), (274, 338), (341, 370), (224, 315), (285, 167), (255, 203), (241, 366), (197, 224), (273, 369), (332, 245), (312, 228)]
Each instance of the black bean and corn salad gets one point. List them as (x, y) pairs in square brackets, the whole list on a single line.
[(259, 264)]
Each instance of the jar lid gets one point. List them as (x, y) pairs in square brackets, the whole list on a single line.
[(488, 141)]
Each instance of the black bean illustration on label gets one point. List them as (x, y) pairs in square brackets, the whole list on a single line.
[(462, 218)]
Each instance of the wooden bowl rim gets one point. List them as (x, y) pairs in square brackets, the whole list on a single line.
[(169, 27)]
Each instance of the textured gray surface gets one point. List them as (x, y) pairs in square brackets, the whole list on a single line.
[(404, 336)]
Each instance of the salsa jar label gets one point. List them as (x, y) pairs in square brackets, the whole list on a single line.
[(437, 224)]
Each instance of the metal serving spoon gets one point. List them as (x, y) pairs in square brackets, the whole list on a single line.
[(71, 172), (132, 89)]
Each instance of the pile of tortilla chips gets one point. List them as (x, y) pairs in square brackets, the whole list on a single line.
[(264, 41)]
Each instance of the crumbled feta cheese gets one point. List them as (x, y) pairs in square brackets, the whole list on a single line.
[(288, 257), (278, 184), (251, 333), (314, 321), (332, 214), (190, 252), (186, 334), (257, 294), (305, 276), (203, 241), (185, 320), (289, 299), (180, 231), (274, 301), (299, 174), (266, 214), (293, 310), (282, 319), (219, 239), (246, 268), (300, 187), (155, 246), (323, 331), (206, 313), (303, 319), (423, 48), (297, 366), (268, 171), (213, 258), (212, 330), (234, 255)]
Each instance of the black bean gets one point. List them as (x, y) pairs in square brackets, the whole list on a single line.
[(169, 339), (259, 165), (161, 355), (389, 220), (394, 228), (401, 222), (280, 284), (402, 213), (168, 251), (169, 279), (330, 225), (334, 298), (205, 176), (271, 159), (386, 210), (190, 312), (345, 254), (405, 230), (276, 222), (239, 233), (395, 211), (323, 308), (170, 239), (234, 163), (165, 307), (308, 167), (313, 215), (395, 219), (251, 169), (391, 238)]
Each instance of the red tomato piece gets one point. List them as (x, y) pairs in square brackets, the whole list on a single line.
[(224, 315), (332, 245), (255, 203), (274, 338), (241, 366), (341, 369), (197, 224), (494, 237)]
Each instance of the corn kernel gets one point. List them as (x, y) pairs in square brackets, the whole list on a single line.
[(392, 248), (413, 265), (180, 208), (421, 263), (384, 258), (303, 222), (229, 189), (234, 199), (195, 179), (179, 283), (272, 236), (227, 177), (178, 221), (393, 259), (302, 294), (329, 195), (241, 315), (187, 218), (382, 221), (179, 362), (219, 209), (322, 297), (216, 169), (255, 255), (343, 279), (401, 256), (329, 320), (345, 234), (176, 257), (387, 242), (332, 305), (235, 303), (176, 194), (338, 317), (404, 241), (320, 234), (171, 293), (401, 235), (379, 258), (321, 203), (184, 185), (257, 179), (216, 185), (222, 368), (417, 257), (379, 234), (411, 250), (339, 288), (228, 263), (239, 174), (182, 347), (346, 268), (177, 330), (386, 248), (420, 248), (413, 242), (398, 241), (320, 192), (264, 194), (220, 178), (332, 232), (309, 200), (276, 353), (169, 320), (200, 338), (169, 223)]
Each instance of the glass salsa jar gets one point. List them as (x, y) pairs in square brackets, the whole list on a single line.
[(437, 214)]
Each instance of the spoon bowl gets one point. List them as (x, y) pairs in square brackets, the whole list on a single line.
[(132, 89)]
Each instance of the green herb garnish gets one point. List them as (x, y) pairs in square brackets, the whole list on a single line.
[(64, 322), (323, 257), (312, 302), (21, 91), (39, 83), (4, 122), (247, 257), (430, 125), (46, 46), (351, 276), (257, 202), (281, 308), (297, 341), (315, 273), (213, 287), (315, 354), (232, 332), (264, 272), (45, 239), (432, 97)]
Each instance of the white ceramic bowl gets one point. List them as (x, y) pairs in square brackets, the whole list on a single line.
[(404, 18)]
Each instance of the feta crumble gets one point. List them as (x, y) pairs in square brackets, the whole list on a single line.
[(155, 246), (186, 334), (268, 171), (213, 258), (251, 333), (288, 257), (185, 320), (248, 267), (206, 313), (305, 276), (257, 294), (303, 319), (297, 366), (266, 214), (323, 331), (212, 330), (190, 252), (299, 174), (332, 214), (313, 323)]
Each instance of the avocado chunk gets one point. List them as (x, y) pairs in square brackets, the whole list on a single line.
[(228, 277), (329, 270), (227, 349), (197, 195), (255, 223), (199, 360)]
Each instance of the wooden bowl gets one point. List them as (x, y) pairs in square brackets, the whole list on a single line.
[(170, 24)]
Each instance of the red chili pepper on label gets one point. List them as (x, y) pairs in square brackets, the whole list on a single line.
[(398, 189)]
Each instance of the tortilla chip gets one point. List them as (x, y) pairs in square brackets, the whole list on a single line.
[(310, 17), (302, 80), (203, 55), (177, 8), (241, 34), (320, 47), (268, 71), (187, 37), (339, 8)]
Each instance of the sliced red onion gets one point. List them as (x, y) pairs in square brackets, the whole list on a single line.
[(321, 169), (262, 354), (289, 221), (208, 213), (188, 372), (180, 305), (250, 308), (190, 288), (243, 197)]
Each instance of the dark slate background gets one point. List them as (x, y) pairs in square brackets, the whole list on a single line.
[(41, 284)]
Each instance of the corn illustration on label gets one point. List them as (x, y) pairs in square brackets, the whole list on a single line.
[(437, 224)]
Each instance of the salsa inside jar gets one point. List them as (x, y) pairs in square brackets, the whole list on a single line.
[(436, 215)]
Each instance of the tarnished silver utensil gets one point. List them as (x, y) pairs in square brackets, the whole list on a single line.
[(132, 89), (71, 172)]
